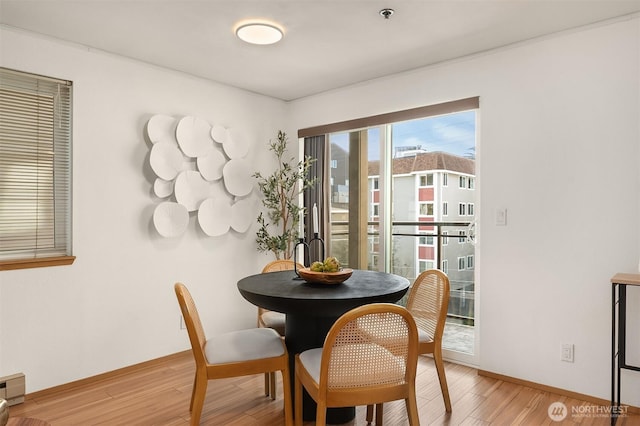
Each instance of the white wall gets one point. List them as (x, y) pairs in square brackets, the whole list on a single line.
[(559, 148), (116, 306)]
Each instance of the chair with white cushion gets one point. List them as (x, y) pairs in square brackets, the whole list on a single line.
[(359, 368), (272, 319), (237, 353)]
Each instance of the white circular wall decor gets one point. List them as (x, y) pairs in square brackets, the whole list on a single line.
[(194, 136), (200, 175), (162, 188), (191, 189), (170, 219), (236, 146), (211, 164), (242, 214), (166, 160), (219, 133), (214, 216), (161, 128), (236, 176)]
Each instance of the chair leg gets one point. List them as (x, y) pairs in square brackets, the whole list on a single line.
[(369, 414), (193, 391), (437, 357), (267, 387), (321, 414), (197, 398), (412, 409), (286, 390), (379, 414), (272, 385), (298, 401), (379, 410)]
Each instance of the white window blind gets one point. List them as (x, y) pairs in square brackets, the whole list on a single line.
[(35, 166)]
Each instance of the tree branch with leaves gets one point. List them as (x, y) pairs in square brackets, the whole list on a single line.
[(280, 191)]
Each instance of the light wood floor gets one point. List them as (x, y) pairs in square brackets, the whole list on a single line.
[(158, 393)]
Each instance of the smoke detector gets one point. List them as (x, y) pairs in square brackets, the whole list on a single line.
[(386, 12)]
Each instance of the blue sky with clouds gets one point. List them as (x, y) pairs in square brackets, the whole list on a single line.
[(453, 133)]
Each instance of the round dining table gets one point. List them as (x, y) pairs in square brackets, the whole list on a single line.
[(312, 308)]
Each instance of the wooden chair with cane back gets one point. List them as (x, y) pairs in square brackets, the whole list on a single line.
[(428, 302), (355, 368)]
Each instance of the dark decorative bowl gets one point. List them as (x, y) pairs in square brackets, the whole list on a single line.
[(325, 277)]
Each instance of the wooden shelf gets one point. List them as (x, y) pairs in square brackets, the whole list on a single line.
[(627, 279)]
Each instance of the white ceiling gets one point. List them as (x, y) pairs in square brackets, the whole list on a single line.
[(328, 43)]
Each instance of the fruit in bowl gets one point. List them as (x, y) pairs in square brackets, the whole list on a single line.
[(327, 272), (330, 264)]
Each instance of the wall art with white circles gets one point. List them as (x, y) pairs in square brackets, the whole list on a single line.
[(199, 168)]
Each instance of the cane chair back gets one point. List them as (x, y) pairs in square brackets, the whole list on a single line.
[(360, 368), (428, 302)]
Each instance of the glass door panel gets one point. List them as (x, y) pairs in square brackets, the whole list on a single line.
[(338, 244), (402, 199)]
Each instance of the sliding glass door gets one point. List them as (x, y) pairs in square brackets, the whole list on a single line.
[(403, 200)]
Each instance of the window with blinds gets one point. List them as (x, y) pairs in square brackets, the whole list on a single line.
[(35, 169)]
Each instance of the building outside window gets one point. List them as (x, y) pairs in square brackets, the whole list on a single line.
[(426, 180), (426, 209), (426, 240), (461, 261), (425, 265)]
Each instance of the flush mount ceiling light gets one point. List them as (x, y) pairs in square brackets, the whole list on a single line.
[(259, 33)]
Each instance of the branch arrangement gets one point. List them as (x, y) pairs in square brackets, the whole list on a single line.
[(280, 191)]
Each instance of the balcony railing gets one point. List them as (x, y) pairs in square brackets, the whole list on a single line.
[(448, 248)]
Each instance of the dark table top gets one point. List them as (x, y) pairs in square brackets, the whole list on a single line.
[(282, 292)]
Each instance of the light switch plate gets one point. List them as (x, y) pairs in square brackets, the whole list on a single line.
[(501, 217), (567, 352)]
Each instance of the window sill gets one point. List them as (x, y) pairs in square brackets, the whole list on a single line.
[(7, 265)]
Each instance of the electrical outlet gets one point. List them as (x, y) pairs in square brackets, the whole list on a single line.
[(183, 326), (567, 352)]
